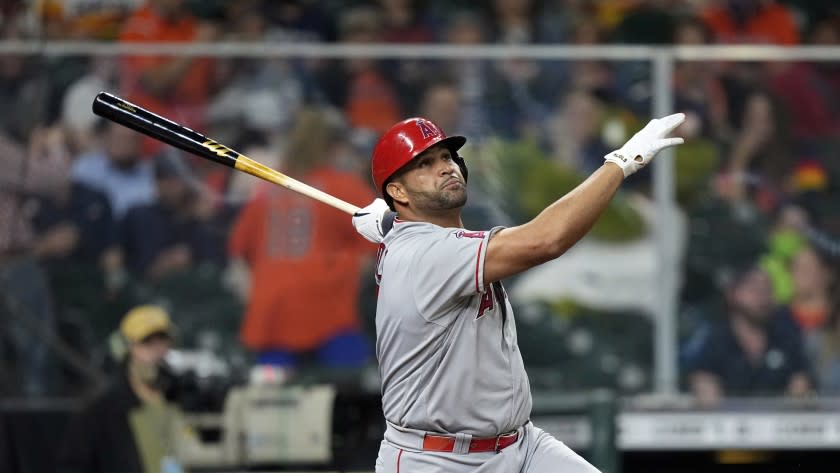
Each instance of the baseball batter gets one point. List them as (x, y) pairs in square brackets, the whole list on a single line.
[(455, 394)]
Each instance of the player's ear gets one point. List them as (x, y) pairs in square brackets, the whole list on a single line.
[(396, 190)]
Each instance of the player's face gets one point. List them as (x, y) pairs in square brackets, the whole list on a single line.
[(434, 182)]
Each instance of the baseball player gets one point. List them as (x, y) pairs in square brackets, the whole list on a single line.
[(455, 394)]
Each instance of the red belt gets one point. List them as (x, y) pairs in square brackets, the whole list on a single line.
[(442, 443)]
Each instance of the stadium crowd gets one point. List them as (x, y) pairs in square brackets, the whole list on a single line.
[(97, 219)]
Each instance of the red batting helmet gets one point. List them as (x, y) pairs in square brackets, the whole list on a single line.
[(403, 142)]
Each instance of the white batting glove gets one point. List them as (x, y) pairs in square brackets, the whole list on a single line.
[(643, 146), (368, 221)]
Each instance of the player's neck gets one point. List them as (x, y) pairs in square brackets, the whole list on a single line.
[(445, 219)]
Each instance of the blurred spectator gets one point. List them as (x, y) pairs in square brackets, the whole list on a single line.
[(817, 229), (360, 86), (761, 155), (119, 169), (175, 232), (262, 95), (824, 349), (242, 187), (697, 84), (441, 103), (130, 427), (518, 88), (825, 31), (85, 19), (404, 23), (75, 225), (814, 286), (26, 304), (256, 102), (811, 90), (784, 242), (519, 21), (595, 76), (471, 76), (177, 88), (296, 21), (22, 95), (303, 258), (753, 351), (78, 120), (646, 22), (751, 21), (573, 132)]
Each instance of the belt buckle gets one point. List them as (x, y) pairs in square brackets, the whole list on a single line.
[(498, 441)]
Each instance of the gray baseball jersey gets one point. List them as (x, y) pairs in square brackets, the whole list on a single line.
[(446, 341)]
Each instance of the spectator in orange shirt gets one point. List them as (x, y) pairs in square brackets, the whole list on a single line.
[(751, 21), (175, 87), (304, 260)]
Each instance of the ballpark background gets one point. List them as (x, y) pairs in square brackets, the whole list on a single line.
[(696, 327)]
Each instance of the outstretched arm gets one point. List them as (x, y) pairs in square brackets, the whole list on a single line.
[(563, 223)]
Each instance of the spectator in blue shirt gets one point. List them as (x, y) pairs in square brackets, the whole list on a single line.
[(175, 232), (754, 351), (118, 170), (84, 212)]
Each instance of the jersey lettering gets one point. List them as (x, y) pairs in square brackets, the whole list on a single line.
[(495, 293), (290, 223), (428, 130), (487, 301), (466, 234)]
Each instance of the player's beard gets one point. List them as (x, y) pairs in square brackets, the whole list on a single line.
[(449, 198)]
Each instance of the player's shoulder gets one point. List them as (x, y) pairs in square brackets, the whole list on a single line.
[(407, 230), (424, 233)]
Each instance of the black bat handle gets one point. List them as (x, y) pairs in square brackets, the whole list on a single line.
[(139, 119)]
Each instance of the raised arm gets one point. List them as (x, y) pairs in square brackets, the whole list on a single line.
[(563, 223)]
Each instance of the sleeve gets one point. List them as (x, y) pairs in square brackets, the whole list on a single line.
[(141, 239), (448, 265), (823, 241), (799, 360), (699, 353)]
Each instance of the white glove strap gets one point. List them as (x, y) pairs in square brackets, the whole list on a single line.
[(621, 158)]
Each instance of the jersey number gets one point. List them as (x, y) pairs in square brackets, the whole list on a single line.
[(290, 230)]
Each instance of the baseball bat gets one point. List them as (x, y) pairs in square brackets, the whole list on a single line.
[(139, 119)]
